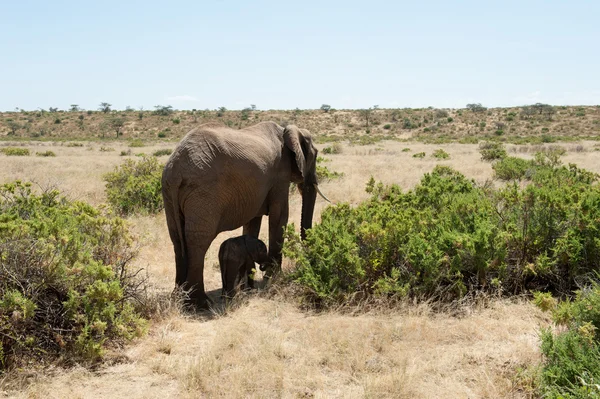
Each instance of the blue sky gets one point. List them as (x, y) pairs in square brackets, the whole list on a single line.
[(284, 54)]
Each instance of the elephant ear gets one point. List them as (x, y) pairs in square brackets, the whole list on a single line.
[(293, 140)]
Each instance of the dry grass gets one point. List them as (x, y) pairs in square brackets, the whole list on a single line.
[(268, 347)]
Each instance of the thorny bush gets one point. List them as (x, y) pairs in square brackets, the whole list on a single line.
[(449, 236), (571, 365), (66, 288), (135, 186)]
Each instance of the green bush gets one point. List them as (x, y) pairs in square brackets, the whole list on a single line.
[(135, 186), (468, 140), (15, 151), (387, 126), (65, 283), (491, 151), (571, 366), (419, 155), (161, 135), (440, 154), (335, 148), (367, 139), (45, 154), (136, 143), (164, 151), (324, 173), (448, 236), (511, 168)]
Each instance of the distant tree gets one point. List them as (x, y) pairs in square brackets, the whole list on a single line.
[(52, 109), (295, 113), (128, 109), (80, 121), (13, 127), (246, 113), (441, 113), (325, 107), (163, 110), (366, 115), (105, 107), (539, 107), (117, 124), (544, 109), (476, 107), (194, 113), (549, 110), (527, 111), (375, 106), (253, 107), (221, 111), (74, 108)]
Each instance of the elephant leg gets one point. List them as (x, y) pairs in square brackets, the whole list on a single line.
[(252, 228), (197, 245), (231, 259), (233, 278), (278, 218)]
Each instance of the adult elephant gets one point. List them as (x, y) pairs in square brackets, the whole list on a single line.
[(219, 179)]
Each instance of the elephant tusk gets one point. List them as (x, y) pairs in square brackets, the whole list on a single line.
[(321, 194)]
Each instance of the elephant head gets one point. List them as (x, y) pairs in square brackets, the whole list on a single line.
[(256, 250), (304, 171)]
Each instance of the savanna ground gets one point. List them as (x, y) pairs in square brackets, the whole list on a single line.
[(267, 346)]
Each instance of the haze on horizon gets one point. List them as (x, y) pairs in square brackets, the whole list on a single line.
[(279, 55)]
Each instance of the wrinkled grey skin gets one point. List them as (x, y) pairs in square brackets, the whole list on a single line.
[(237, 258), (219, 179)]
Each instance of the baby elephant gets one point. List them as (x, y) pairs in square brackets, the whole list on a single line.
[(237, 257)]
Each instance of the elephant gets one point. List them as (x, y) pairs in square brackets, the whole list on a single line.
[(219, 179), (237, 258)]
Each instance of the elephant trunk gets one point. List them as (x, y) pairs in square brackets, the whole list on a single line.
[(309, 196)]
